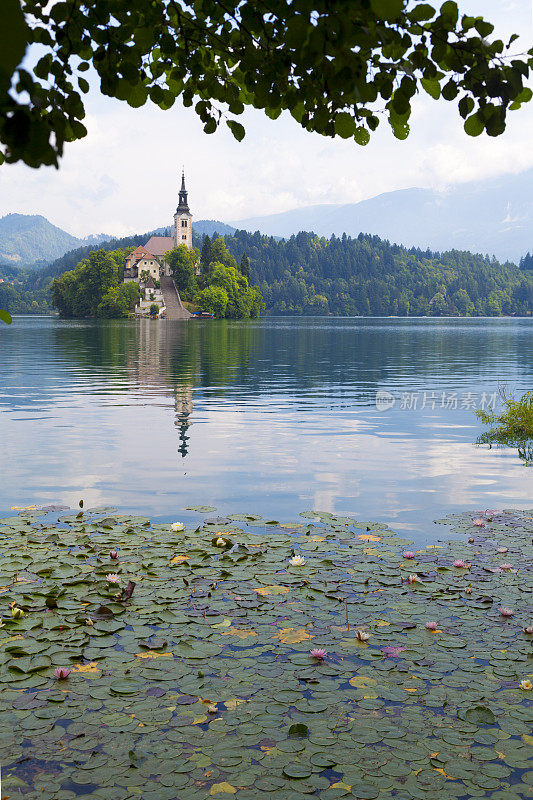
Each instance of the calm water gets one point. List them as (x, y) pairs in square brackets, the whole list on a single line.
[(272, 417)]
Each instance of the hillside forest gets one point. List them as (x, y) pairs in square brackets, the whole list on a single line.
[(307, 274)]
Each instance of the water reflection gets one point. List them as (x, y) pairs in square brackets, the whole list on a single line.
[(283, 410)]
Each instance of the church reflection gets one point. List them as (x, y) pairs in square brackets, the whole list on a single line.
[(183, 421), (164, 361)]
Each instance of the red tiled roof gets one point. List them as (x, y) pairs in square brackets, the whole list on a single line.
[(159, 245), (140, 252)]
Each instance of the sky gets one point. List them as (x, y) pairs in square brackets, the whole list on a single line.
[(124, 176)]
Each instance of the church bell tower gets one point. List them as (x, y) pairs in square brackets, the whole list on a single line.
[(183, 218)]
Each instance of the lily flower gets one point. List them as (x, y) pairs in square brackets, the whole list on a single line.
[(526, 684), (392, 651), (493, 512), (89, 622), (506, 612), (297, 561), (413, 579), (112, 578), (468, 590), (212, 709), (408, 554), (506, 567), (221, 542), (529, 629), (61, 673), (177, 526), (478, 522), (319, 653), (17, 613), (113, 554), (501, 550), (362, 636), (459, 562), (431, 626)]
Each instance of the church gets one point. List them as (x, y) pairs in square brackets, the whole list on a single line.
[(147, 267), (150, 257)]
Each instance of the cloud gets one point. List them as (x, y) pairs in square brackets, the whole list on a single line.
[(123, 177)]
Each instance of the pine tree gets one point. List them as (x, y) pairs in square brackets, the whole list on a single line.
[(245, 266), (207, 253)]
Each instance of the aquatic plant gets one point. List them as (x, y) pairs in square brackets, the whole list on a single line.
[(297, 561), (208, 679), (512, 427), (61, 673)]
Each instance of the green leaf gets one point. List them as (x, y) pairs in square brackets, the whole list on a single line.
[(344, 125), (387, 9), (432, 87), (421, 12), (480, 715), (236, 128), (450, 13), (483, 27), (14, 35), (474, 125), (5, 316)]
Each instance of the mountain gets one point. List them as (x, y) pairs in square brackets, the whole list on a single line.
[(27, 238), (493, 216), (208, 227), (30, 240)]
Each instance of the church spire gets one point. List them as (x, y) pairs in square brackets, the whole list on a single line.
[(183, 205)]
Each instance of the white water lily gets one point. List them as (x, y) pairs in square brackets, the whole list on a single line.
[(220, 542), (297, 561), (177, 526), (363, 636)]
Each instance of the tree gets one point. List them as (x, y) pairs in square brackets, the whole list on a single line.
[(79, 292), (182, 262), (337, 67), (207, 253), (244, 266), (220, 253), (214, 300)]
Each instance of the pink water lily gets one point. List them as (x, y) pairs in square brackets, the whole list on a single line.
[(529, 630), (413, 579), (493, 512), (113, 554), (112, 578), (408, 554), (468, 590), (61, 673), (319, 653), (505, 567), (459, 562), (501, 549), (478, 522), (431, 626), (506, 612), (394, 652)]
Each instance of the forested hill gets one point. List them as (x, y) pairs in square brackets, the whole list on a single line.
[(307, 274)]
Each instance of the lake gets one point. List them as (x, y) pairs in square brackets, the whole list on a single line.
[(275, 416)]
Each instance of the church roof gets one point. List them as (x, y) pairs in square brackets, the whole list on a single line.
[(159, 245), (139, 252)]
